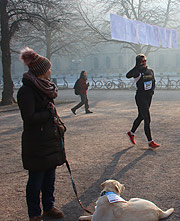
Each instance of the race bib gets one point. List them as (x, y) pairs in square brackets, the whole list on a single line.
[(147, 85), (113, 198)]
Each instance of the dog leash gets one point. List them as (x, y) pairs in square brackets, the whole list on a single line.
[(69, 169), (75, 190)]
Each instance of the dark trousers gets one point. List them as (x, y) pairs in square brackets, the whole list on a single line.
[(40, 182), (84, 101), (143, 102)]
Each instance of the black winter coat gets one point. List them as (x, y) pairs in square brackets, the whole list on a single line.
[(42, 148), (147, 75)]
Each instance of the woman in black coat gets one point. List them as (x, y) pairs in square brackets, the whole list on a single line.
[(42, 142)]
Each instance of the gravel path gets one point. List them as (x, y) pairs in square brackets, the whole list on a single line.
[(98, 149)]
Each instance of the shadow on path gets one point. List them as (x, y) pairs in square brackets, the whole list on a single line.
[(11, 131), (90, 194)]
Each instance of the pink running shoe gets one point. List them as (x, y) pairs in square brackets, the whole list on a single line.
[(131, 137), (152, 144)]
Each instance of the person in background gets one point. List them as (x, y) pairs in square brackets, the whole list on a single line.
[(42, 150), (83, 86), (145, 83)]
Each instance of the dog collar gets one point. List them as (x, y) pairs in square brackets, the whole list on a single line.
[(103, 193)]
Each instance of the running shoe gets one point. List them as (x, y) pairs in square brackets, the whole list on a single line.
[(152, 144), (131, 137)]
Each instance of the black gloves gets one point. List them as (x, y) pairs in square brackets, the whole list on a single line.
[(51, 108), (136, 72)]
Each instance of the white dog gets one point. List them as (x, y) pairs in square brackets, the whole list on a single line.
[(111, 207)]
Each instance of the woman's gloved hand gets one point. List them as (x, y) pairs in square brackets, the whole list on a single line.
[(51, 108)]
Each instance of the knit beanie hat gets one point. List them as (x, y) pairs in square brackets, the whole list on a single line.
[(139, 58), (36, 63)]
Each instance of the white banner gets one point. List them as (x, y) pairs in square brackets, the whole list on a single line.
[(141, 30), (174, 38), (118, 27), (162, 32), (169, 38), (138, 32), (131, 31)]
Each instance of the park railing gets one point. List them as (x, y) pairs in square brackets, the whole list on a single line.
[(162, 83), (113, 83)]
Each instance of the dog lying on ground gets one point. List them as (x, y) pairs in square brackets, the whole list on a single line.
[(111, 207)]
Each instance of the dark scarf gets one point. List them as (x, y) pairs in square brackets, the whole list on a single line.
[(46, 86)]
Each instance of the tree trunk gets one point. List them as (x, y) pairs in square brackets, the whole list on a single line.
[(7, 94), (48, 43)]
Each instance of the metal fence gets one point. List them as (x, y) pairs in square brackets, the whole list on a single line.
[(114, 83)]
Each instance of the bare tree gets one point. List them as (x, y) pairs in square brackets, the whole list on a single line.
[(92, 22), (12, 13), (162, 13), (7, 31), (61, 35), (47, 16)]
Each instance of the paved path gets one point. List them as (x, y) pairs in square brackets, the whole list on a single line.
[(98, 149)]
